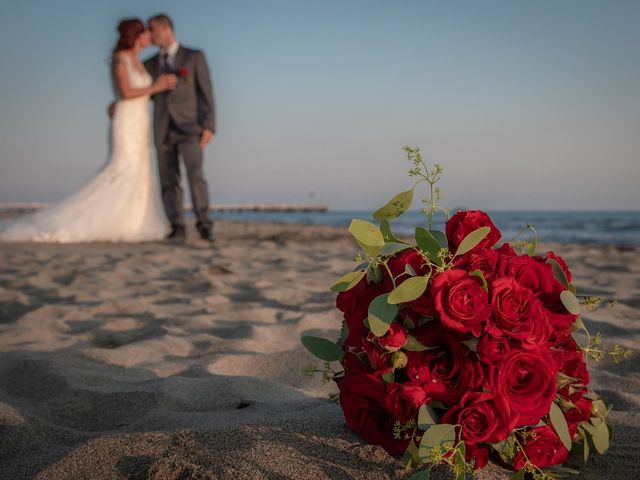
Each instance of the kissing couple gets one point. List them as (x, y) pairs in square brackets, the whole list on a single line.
[(122, 202)]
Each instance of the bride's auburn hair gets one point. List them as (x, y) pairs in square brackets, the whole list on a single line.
[(129, 29)]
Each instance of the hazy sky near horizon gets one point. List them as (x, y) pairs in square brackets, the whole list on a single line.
[(527, 105)]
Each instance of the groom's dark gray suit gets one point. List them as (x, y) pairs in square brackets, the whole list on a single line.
[(179, 117)]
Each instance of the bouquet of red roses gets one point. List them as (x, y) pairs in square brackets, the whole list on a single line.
[(456, 350)]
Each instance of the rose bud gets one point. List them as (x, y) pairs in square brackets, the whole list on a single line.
[(394, 339)]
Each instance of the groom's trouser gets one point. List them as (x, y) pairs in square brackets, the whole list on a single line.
[(178, 145)]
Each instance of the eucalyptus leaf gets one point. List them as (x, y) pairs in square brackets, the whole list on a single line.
[(426, 417), (387, 234), (381, 314), (558, 272), (440, 237), (348, 281), (579, 325), (322, 348), (368, 236), (472, 240), (411, 458), (392, 248), (519, 475), (570, 302), (436, 436), (409, 290), (601, 438), (408, 269), (395, 207), (374, 275), (560, 425), (413, 345), (480, 275), (585, 449), (421, 475), (389, 377), (428, 244)]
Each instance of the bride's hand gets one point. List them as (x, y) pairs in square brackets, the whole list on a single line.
[(166, 81)]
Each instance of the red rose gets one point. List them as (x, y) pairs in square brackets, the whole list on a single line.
[(527, 379), (483, 416), (398, 263), (515, 309), (578, 414), (448, 369), (543, 449), (354, 304), (465, 222), (485, 260), (532, 273), (461, 302), (362, 398), (183, 72), (404, 400), (491, 350), (379, 359), (479, 454), (395, 338)]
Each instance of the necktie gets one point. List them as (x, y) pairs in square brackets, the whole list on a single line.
[(165, 63)]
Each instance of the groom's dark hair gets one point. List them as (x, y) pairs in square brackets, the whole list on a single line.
[(162, 18)]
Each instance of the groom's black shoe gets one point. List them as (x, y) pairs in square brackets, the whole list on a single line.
[(205, 233), (178, 233)]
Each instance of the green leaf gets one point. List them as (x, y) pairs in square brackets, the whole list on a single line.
[(348, 281), (426, 417), (428, 244), (381, 314), (558, 272), (421, 475), (413, 345), (560, 425), (389, 377), (600, 408), (395, 207), (480, 275), (374, 275), (436, 436), (440, 237), (392, 248), (409, 290), (411, 458), (387, 234), (519, 475), (322, 348), (579, 325), (408, 269), (570, 302), (472, 240), (368, 236), (601, 438), (585, 449)]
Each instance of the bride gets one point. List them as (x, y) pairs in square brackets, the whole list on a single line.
[(122, 201)]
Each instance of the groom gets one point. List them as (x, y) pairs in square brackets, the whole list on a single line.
[(183, 123)]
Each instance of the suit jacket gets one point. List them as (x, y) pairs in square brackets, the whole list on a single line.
[(189, 107)]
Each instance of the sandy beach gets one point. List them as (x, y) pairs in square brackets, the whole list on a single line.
[(161, 361)]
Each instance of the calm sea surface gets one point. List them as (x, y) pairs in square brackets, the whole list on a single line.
[(602, 228)]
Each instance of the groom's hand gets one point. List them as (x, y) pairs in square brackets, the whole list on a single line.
[(207, 136)]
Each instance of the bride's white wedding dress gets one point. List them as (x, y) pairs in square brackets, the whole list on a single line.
[(121, 203)]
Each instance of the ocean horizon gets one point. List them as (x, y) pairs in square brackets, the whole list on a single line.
[(618, 228)]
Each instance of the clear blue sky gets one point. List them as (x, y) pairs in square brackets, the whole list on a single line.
[(531, 105)]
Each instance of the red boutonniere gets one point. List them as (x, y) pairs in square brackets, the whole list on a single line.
[(183, 72)]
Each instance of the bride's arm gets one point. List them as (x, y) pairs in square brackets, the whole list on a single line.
[(121, 78)]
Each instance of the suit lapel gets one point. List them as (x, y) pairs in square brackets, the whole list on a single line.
[(179, 58)]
